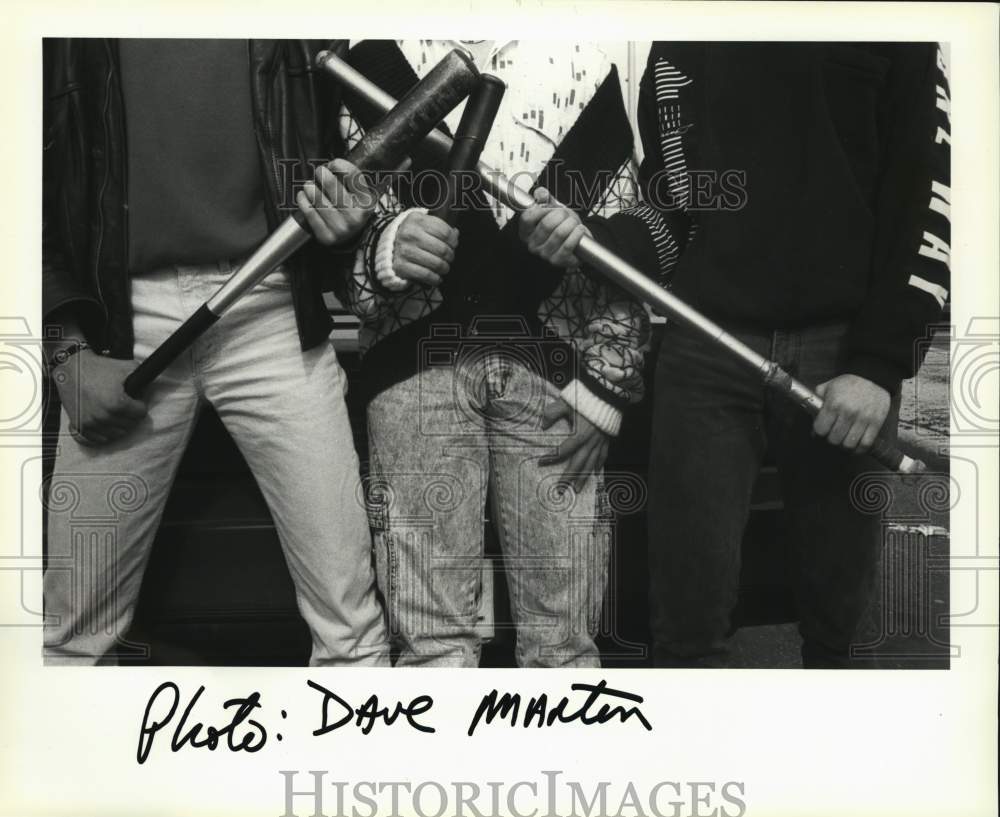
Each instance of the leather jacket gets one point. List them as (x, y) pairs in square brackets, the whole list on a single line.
[(85, 166)]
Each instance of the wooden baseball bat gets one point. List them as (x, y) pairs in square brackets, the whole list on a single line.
[(470, 138)]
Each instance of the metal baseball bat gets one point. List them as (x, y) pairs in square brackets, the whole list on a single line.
[(403, 127), (632, 280)]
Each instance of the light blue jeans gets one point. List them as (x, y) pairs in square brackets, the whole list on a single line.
[(285, 410), (437, 453)]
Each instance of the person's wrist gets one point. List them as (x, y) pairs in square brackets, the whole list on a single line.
[(66, 351), (601, 414), (385, 256)]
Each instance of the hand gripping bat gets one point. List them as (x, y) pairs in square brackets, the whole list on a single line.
[(625, 275), (382, 147)]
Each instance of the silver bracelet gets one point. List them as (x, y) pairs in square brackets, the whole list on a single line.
[(64, 354)]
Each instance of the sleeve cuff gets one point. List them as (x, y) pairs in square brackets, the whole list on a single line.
[(878, 371), (628, 236), (85, 310), (384, 273), (603, 415)]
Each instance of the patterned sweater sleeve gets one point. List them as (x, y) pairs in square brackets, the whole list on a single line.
[(364, 296), (614, 336), (649, 230), (646, 223), (652, 232)]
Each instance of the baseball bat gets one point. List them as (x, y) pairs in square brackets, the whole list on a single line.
[(405, 124), (631, 279), (470, 138)]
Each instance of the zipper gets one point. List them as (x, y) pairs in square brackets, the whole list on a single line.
[(269, 135), (125, 202), (104, 187)]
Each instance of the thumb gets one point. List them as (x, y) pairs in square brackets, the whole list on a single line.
[(821, 389), (362, 184), (133, 406), (554, 411), (542, 195)]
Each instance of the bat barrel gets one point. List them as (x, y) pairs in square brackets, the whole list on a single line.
[(415, 115), (436, 142)]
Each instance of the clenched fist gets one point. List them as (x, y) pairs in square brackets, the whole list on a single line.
[(338, 203), (91, 392), (551, 230), (424, 248), (853, 412)]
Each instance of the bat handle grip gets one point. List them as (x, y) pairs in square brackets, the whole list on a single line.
[(168, 351), (470, 137), (892, 458), (446, 209), (882, 450)]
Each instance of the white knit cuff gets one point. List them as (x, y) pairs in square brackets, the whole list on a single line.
[(603, 415), (384, 273)]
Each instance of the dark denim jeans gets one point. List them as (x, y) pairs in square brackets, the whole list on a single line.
[(713, 420)]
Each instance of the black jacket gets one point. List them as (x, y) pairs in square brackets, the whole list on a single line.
[(790, 184), (85, 212)]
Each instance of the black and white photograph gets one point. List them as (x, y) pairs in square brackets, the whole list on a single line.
[(637, 359), (489, 375)]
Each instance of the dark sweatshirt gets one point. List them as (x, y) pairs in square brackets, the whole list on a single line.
[(791, 184)]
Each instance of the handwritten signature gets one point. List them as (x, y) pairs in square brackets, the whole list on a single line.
[(600, 704)]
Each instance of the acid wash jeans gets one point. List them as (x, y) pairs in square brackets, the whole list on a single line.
[(440, 444), (713, 419), (284, 408)]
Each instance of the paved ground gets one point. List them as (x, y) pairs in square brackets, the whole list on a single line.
[(906, 629), (924, 413)]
